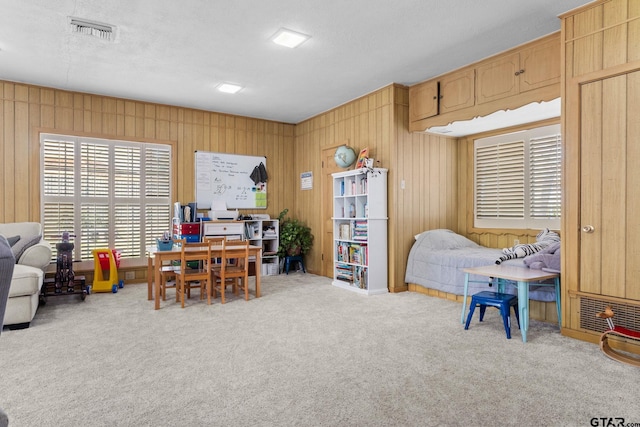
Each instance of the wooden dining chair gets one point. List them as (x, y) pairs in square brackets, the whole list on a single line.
[(234, 268), (216, 242), (195, 267), (168, 273)]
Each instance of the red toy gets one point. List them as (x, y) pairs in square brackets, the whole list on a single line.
[(620, 332)]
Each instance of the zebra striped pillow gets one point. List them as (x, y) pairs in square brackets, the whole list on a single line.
[(543, 239)]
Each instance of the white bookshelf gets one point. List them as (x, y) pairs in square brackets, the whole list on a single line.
[(360, 230)]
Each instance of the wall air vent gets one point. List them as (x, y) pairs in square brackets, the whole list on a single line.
[(626, 315), (95, 29)]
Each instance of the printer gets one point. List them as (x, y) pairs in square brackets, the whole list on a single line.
[(219, 211)]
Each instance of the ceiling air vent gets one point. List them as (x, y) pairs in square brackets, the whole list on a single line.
[(95, 29)]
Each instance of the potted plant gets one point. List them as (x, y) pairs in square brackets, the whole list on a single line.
[(295, 237)]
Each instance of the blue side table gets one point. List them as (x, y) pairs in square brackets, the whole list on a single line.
[(289, 259)]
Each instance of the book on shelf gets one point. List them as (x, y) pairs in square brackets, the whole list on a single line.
[(359, 230), (360, 277), (344, 272), (345, 231), (363, 185)]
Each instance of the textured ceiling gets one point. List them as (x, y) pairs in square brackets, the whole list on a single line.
[(177, 52)]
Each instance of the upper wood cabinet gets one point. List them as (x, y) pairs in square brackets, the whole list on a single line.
[(423, 100), (541, 65), (456, 90), (525, 74), (508, 75), (498, 79), (450, 93)]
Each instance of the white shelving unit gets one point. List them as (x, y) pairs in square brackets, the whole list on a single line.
[(264, 233), (260, 232), (360, 230)]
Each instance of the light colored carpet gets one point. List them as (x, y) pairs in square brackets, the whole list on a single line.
[(304, 354)]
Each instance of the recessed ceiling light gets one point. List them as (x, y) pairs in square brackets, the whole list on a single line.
[(289, 38), (229, 88)]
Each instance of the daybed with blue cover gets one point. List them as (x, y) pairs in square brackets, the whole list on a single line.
[(438, 257)]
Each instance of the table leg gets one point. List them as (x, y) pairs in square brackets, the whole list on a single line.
[(156, 281), (149, 277), (258, 272), (523, 308), (464, 298), (558, 306)]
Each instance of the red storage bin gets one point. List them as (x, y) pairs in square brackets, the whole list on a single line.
[(190, 228)]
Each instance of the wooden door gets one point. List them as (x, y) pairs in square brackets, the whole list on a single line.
[(609, 186), (328, 167), (423, 101), (457, 91)]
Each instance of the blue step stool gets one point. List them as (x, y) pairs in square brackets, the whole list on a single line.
[(503, 302), (289, 259)]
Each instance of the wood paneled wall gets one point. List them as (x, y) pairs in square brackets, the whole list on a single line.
[(427, 164), (428, 174), (26, 110), (424, 189), (363, 122)]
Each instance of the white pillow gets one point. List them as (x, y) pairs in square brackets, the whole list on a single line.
[(444, 239)]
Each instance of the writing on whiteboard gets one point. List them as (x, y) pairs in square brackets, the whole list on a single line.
[(230, 178)]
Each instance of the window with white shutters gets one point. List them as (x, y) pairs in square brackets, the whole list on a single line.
[(518, 179), (106, 193)]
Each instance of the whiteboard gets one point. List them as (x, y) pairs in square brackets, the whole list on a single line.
[(222, 176)]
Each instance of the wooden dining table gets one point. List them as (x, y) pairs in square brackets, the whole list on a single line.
[(156, 258)]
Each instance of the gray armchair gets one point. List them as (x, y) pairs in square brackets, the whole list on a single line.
[(7, 262)]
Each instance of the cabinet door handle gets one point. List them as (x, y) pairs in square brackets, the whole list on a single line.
[(519, 72), (588, 228)]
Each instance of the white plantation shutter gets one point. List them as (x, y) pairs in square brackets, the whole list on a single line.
[(58, 170), (518, 179), (500, 180), (127, 229), (157, 164), (110, 194), (94, 229), (157, 186), (545, 191)]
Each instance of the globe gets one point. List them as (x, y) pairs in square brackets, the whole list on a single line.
[(344, 156)]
